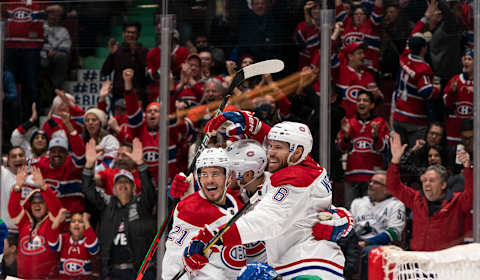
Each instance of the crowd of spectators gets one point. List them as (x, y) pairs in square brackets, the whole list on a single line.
[(104, 161)]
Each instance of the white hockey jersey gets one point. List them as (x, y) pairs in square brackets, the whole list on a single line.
[(373, 219), (284, 219), (190, 216)]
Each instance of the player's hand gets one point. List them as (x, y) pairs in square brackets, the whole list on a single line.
[(334, 224), (244, 123), (179, 186), (193, 256)]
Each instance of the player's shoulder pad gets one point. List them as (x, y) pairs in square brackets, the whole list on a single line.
[(300, 176), (197, 211)]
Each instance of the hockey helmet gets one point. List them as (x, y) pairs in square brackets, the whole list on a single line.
[(246, 155), (213, 157), (295, 134)]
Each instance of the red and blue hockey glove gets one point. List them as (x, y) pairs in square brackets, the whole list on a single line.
[(243, 123), (179, 186), (334, 224)]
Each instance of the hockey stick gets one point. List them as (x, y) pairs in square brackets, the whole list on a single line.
[(260, 68), (224, 229)]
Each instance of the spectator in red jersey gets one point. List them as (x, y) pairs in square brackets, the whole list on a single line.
[(76, 247), (62, 170), (458, 98), (130, 54), (364, 137), (439, 215), (34, 219), (105, 178), (352, 77), (190, 86), (364, 28), (307, 34), (23, 42)]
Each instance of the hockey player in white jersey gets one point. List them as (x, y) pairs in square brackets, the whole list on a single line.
[(210, 206), (299, 188)]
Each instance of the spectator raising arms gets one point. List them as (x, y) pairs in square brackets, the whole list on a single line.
[(438, 214), (126, 222), (76, 247), (34, 219)]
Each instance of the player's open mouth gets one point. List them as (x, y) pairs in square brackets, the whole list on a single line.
[(211, 188)]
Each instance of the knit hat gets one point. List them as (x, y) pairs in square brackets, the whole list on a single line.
[(58, 142), (99, 114), (125, 173), (469, 53), (37, 132), (152, 104)]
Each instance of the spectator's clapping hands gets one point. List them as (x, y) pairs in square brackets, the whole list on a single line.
[(21, 176), (396, 147), (38, 178), (65, 99), (137, 152), (91, 153)]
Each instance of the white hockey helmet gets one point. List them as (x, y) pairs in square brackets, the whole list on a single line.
[(246, 155), (213, 157), (295, 134)]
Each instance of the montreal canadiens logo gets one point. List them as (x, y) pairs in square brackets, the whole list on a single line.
[(464, 109), (234, 257), (72, 266), (32, 247), (353, 37), (352, 92), (22, 14), (150, 154), (250, 153), (302, 129), (363, 144), (255, 249)]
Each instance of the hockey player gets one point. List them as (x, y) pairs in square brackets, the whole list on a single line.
[(76, 247), (211, 207), (34, 218), (298, 190), (458, 96)]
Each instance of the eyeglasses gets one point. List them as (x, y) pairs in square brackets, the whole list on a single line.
[(358, 14), (376, 182)]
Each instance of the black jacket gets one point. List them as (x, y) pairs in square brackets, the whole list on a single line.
[(137, 215)]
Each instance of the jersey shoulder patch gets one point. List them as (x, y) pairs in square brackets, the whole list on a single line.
[(197, 211), (300, 176)]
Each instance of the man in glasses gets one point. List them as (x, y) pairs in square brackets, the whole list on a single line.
[(379, 218)]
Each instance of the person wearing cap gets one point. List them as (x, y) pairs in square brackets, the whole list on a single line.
[(37, 146), (130, 54), (361, 27), (458, 98), (62, 169), (145, 125), (95, 121), (34, 217), (414, 90), (353, 77), (126, 222)]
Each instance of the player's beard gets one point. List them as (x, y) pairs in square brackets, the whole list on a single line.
[(275, 164)]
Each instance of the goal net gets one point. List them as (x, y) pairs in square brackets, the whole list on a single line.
[(392, 263)]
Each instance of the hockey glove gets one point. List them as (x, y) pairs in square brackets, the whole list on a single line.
[(179, 186), (243, 123), (334, 224)]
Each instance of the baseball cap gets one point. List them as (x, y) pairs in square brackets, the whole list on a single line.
[(124, 173), (37, 195), (58, 142)]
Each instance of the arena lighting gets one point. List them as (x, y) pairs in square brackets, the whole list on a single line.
[(147, 6)]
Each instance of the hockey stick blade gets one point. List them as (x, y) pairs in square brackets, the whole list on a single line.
[(259, 68), (245, 208)]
